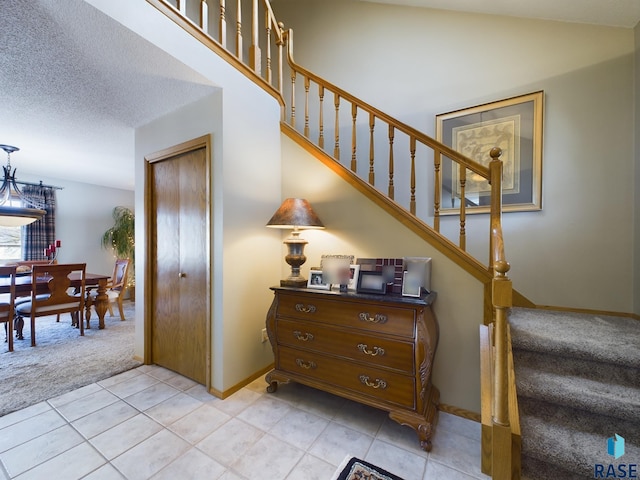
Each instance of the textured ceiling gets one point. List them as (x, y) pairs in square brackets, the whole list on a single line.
[(73, 86), (74, 83)]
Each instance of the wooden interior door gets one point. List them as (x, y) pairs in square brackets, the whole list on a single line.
[(178, 333)]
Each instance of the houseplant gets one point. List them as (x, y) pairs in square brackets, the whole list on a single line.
[(121, 238)]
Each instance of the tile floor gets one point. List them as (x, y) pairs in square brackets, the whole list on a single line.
[(150, 423)]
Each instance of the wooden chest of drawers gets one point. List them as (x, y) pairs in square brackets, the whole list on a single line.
[(374, 349)]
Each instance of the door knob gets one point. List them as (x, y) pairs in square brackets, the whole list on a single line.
[(182, 275)]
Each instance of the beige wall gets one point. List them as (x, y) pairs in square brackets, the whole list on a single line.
[(356, 226), (415, 63), (245, 187)]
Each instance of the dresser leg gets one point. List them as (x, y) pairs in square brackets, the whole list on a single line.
[(272, 387)]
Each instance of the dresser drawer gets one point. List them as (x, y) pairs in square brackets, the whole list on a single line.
[(376, 383), (351, 344), (378, 317)]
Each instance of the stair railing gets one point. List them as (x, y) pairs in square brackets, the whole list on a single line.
[(334, 109)]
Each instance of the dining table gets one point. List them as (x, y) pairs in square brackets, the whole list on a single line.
[(24, 287)]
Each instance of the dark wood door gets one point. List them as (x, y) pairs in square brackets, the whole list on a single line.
[(179, 260)]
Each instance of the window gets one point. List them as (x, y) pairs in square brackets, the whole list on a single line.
[(10, 244)]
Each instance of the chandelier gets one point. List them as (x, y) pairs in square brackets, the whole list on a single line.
[(16, 215)]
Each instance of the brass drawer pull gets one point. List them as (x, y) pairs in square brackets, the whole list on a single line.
[(300, 307), (303, 337), (377, 318), (374, 352), (306, 365), (379, 383)]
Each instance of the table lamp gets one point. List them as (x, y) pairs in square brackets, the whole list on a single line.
[(295, 213)]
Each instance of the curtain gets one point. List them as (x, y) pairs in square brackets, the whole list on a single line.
[(40, 234)]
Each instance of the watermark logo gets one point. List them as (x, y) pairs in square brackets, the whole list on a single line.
[(615, 446)]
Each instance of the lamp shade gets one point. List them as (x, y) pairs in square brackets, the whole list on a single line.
[(295, 213), (18, 216)]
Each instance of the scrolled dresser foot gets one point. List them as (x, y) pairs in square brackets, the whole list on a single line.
[(272, 387)]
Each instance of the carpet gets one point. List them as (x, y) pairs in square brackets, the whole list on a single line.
[(62, 360), (578, 385), (353, 468)]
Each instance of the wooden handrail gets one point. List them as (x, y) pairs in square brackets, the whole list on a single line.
[(398, 125), (504, 425)]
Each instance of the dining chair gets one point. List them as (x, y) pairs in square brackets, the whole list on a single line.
[(116, 287), (7, 303), (50, 294)]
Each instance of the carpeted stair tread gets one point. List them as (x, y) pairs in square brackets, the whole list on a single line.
[(607, 339), (595, 397), (572, 439), (536, 469), (578, 384)]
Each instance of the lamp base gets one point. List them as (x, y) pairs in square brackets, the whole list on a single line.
[(296, 283)]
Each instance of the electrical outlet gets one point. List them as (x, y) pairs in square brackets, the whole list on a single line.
[(265, 337)]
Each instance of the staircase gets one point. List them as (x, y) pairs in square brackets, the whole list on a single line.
[(578, 384)]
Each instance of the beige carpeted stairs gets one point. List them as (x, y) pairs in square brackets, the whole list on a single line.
[(578, 384)]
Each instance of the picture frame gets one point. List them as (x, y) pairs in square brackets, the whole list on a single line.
[(354, 273), (411, 286), (420, 268), (370, 281), (336, 268), (514, 125), (391, 268), (316, 280)]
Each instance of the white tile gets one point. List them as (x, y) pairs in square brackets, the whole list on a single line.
[(87, 404), (72, 464), (200, 392), (271, 455), (74, 395), (456, 451), (318, 402), (396, 460), (150, 456), (105, 472), (121, 377), (402, 436), (237, 402), (193, 464), (259, 385), (265, 412), (230, 441), (40, 449), (360, 417), (229, 475), (198, 424), (181, 383), (151, 396), (337, 441), (23, 414), (132, 385), (32, 427), (125, 435), (462, 426), (160, 373), (299, 428), (104, 419), (311, 468), (436, 471), (173, 408)]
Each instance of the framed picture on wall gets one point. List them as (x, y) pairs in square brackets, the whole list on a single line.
[(515, 126)]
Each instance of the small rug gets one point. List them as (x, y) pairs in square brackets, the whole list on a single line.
[(353, 468)]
